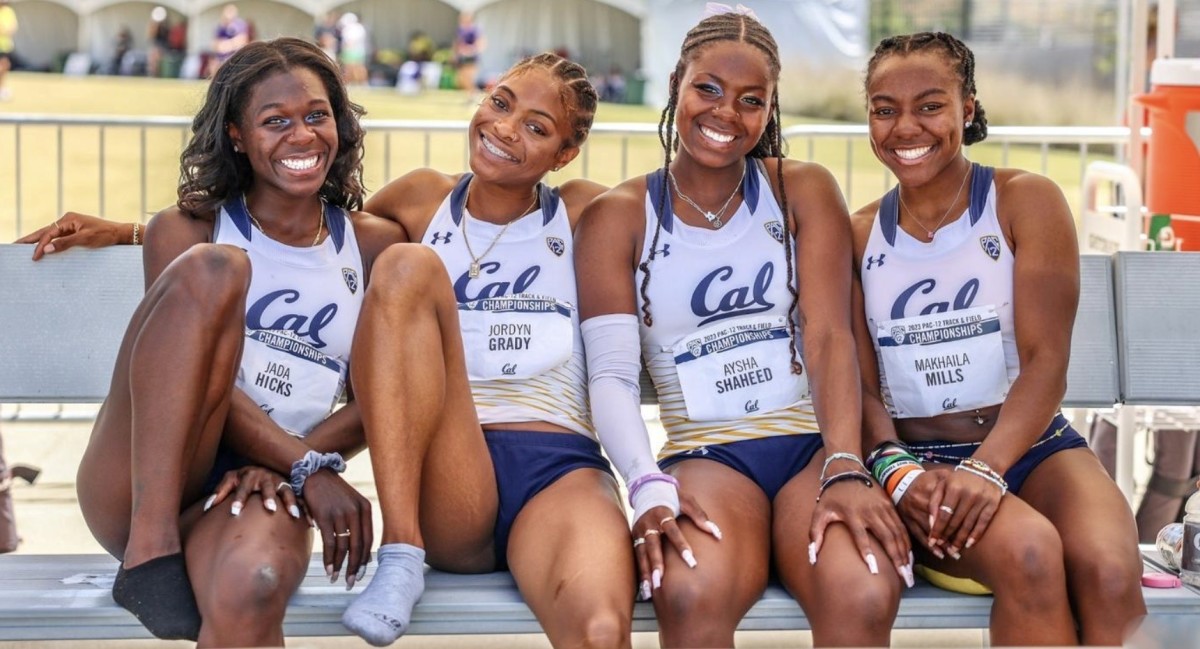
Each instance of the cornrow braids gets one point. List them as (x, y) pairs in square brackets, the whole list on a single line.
[(576, 92), (956, 52), (714, 29)]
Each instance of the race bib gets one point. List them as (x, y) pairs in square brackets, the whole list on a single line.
[(738, 368), (515, 337), (295, 383), (943, 362)]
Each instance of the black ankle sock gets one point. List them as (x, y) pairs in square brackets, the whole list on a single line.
[(159, 594)]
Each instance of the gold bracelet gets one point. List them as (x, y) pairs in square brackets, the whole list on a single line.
[(136, 227)]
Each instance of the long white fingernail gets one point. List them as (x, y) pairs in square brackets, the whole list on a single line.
[(872, 564), (48, 249), (688, 558), (646, 594), (236, 508), (970, 542), (656, 578), (954, 553), (907, 573), (362, 572), (910, 558), (716, 531), (294, 511), (329, 571), (333, 578), (270, 505), (812, 553), (350, 579), (209, 503)]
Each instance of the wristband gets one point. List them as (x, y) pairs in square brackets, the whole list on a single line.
[(845, 475), (905, 483), (136, 230), (310, 464), (641, 481), (833, 457)]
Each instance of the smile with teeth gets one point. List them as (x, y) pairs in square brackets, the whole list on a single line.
[(912, 154), (300, 164), (715, 136), (494, 150)]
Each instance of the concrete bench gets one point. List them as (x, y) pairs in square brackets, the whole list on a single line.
[(64, 317)]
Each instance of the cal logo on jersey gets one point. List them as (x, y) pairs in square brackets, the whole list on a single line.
[(991, 245), (351, 278), (775, 229), (556, 246)]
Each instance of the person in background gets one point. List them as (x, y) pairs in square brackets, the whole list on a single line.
[(157, 36), (469, 44), (327, 35), (232, 34), (353, 48)]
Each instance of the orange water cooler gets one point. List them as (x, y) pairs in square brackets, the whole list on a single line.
[(1173, 160)]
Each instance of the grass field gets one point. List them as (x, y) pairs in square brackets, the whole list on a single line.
[(129, 172)]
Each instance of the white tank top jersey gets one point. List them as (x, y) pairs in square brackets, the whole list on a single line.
[(301, 311), (718, 350), (519, 316), (941, 312)]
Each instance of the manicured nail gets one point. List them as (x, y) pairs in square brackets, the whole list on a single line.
[(872, 564), (209, 503), (48, 249), (656, 578), (236, 508), (931, 521), (334, 577), (270, 505), (936, 552), (812, 553), (362, 572), (970, 542), (688, 558), (910, 558), (712, 527), (350, 579), (294, 511), (329, 571), (954, 553), (646, 594)]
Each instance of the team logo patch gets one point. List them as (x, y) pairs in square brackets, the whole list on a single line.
[(351, 278), (556, 246), (775, 229), (695, 347), (991, 245), (898, 335)]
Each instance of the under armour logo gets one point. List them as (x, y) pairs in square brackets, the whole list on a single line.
[(875, 261), (445, 238), (665, 251)]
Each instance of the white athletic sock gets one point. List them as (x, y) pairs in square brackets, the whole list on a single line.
[(380, 615)]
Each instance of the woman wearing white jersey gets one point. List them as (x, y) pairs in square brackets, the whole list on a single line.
[(970, 279), (235, 358), (469, 366), (748, 341)]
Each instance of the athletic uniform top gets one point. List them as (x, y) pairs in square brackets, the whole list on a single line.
[(718, 350), (940, 312), (519, 318), (301, 311)]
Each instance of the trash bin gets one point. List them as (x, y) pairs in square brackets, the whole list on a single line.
[(635, 89), (1173, 160)]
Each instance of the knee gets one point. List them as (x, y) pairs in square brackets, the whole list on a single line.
[(605, 628), (209, 274), (1107, 574), (1030, 561), (406, 266), (871, 602), (252, 588)]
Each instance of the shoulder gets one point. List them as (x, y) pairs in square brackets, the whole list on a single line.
[(174, 224), (618, 210), (1022, 195), (576, 195), (800, 179), (861, 223), (419, 191), (374, 235), (1018, 183)]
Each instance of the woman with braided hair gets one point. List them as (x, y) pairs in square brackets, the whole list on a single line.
[(970, 279), (728, 271)]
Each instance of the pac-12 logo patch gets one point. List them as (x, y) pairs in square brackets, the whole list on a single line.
[(991, 245), (695, 347), (351, 278), (556, 246), (775, 229), (898, 335)]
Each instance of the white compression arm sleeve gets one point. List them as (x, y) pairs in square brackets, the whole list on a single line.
[(613, 348)]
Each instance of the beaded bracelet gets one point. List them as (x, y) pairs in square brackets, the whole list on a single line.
[(639, 482), (833, 457), (845, 475), (136, 230), (310, 464), (981, 469)]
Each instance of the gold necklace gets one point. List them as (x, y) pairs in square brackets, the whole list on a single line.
[(320, 220), (473, 270), (929, 232), (713, 218)]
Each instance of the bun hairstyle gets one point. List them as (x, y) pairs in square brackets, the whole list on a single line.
[(956, 53)]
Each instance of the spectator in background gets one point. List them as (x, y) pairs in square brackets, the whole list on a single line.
[(232, 33), (420, 47), (157, 33), (177, 38), (468, 45), (121, 47), (353, 51), (8, 31), (327, 36)]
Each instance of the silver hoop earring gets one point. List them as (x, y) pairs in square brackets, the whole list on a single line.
[(967, 124)]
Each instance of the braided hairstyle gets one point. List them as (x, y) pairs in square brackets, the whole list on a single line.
[(739, 28), (578, 97), (955, 52)]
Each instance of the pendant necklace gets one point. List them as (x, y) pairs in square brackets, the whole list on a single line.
[(713, 218), (930, 231), (473, 269)]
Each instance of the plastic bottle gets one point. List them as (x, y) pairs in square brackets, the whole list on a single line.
[(1170, 544), (1189, 560)]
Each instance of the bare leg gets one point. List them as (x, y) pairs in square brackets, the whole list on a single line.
[(702, 606), (244, 569), (572, 556), (839, 588), (1103, 565)]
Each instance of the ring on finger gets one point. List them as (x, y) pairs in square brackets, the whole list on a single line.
[(948, 509), (639, 541), (666, 520), (342, 534), (283, 485), (649, 532)]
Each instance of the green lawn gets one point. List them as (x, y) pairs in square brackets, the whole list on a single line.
[(112, 183)]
